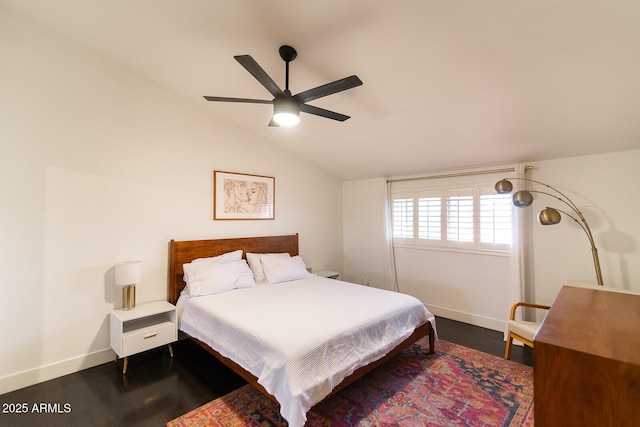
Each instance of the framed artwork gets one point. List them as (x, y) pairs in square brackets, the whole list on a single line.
[(243, 196)]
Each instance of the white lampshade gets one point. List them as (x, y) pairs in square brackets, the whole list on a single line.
[(128, 273)]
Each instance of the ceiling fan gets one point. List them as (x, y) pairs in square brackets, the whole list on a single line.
[(287, 107)]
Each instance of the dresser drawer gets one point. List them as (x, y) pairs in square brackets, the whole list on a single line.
[(148, 337)]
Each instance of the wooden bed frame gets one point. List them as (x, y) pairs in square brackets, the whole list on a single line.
[(182, 252)]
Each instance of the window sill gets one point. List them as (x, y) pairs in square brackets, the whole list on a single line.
[(484, 252)]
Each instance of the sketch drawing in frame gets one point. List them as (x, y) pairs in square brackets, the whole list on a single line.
[(243, 196)]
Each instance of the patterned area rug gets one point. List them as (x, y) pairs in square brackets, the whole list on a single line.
[(456, 386)]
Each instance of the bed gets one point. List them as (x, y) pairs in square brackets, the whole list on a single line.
[(295, 354)]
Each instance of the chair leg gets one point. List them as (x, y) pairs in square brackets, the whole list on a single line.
[(508, 345)]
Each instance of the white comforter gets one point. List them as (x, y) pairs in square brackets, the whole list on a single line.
[(302, 338)]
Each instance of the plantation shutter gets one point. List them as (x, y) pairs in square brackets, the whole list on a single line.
[(403, 217), (430, 217), (460, 221), (495, 219), (468, 218)]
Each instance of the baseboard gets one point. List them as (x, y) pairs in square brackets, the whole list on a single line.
[(470, 318), (54, 370)]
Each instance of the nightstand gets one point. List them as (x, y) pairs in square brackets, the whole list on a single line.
[(327, 273), (142, 328)]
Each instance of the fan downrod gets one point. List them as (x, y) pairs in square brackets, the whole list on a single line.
[(287, 53)]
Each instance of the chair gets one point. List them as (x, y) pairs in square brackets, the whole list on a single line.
[(522, 330)]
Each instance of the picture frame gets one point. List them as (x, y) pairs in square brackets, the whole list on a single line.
[(241, 196)]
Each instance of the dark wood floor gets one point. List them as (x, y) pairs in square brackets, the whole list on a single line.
[(158, 388)]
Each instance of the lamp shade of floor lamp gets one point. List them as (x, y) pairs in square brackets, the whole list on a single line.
[(128, 273)]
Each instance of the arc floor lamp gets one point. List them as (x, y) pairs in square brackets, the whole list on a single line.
[(551, 216)]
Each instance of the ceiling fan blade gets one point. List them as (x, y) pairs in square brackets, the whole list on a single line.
[(247, 100), (328, 89), (256, 71), (310, 109)]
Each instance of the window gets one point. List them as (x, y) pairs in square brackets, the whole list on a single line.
[(467, 218)]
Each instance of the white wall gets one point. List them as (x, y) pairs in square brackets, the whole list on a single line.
[(99, 166), (468, 287), (364, 237), (604, 187)]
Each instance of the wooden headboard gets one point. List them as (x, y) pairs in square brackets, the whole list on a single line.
[(182, 252)]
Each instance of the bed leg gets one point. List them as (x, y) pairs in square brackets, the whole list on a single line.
[(432, 341), (279, 414)]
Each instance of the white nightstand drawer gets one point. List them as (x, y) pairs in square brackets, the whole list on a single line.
[(148, 337)]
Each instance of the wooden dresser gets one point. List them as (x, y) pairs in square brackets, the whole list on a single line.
[(587, 360)]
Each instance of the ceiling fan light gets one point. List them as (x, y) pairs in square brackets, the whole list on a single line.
[(286, 112), (286, 119)]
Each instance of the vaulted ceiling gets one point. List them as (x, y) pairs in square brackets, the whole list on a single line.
[(447, 83)]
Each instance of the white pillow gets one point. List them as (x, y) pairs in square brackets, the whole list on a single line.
[(229, 256), (281, 269), (256, 266), (207, 279), (226, 257)]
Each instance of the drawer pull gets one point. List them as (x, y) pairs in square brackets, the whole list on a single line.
[(150, 335)]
